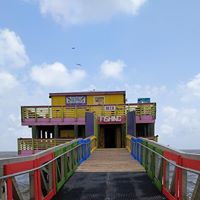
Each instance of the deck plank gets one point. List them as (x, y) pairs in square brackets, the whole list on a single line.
[(111, 160), (110, 174)]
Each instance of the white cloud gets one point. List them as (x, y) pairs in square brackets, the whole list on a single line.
[(112, 69), (177, 124), (12, 50), (138, 90), (57, 75), (8, 82), (194, 85), (80, 11)]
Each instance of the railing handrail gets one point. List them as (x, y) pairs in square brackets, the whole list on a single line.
[(168, 160), (41, 166), (90, 105), (171, 170), (62, 139), (171, 149), (71, 112), (36, 155), (174, 150), (50, 168)]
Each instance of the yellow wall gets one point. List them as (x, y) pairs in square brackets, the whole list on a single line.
[(58, 101), (109, 99), (67, 134)]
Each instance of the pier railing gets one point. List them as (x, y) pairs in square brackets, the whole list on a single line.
[(50, 112), (31, 144), (175, 173), (41, 175)]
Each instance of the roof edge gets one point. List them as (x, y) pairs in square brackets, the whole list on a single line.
[(86, 93)]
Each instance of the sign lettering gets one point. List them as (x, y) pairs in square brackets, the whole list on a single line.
[(109, 108), (73, 100), (111, 119)]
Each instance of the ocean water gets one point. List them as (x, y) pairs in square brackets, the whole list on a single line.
[(7, 154), (196, 151)]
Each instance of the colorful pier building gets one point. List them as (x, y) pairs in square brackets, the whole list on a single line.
[(104, 114), (77, 126)]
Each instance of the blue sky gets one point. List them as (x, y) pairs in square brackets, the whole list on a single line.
[(148, 48)]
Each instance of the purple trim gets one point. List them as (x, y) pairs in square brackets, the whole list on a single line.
[(28, 152), (78, 121), (53, 121), (145, 119)]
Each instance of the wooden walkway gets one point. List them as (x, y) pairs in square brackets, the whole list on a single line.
[(111, 160), (110, 174)]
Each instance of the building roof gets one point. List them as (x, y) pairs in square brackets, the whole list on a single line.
[(89, 93)]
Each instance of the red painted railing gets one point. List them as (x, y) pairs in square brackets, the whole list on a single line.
[(40, 173), (175, 173)]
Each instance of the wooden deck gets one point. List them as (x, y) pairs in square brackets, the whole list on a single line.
[(111, 160), (110, 174)]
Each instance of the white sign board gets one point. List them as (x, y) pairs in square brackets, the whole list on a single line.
[(109, 108), (81, 100)]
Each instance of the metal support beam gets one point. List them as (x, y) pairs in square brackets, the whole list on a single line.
[(172, 186), (31, 188), (16, 191), (35, 132), (2, 190), (76, 131), (56, 131), (196, 192), (184, 185)]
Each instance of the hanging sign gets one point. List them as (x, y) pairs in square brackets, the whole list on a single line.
[(111, 119), (76, 100)]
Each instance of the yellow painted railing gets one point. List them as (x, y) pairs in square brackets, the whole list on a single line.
[(49, 112), (93, 143), (39, 144), (128, 142)]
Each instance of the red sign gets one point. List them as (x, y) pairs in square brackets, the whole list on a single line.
[(111, 119)]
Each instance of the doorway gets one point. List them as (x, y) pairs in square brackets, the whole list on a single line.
[(111, 136)]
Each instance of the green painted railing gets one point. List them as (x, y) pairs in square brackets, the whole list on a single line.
[(47, 171), (172, 171)]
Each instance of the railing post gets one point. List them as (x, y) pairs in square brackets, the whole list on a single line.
[(49, 113), (196, 192), (35, 114), (2, 190), (184, 185), (62, 111), (33, 148), (22, 114), (32, 188), (18, 145)]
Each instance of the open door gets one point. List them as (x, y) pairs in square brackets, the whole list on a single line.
[(89, 119)]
